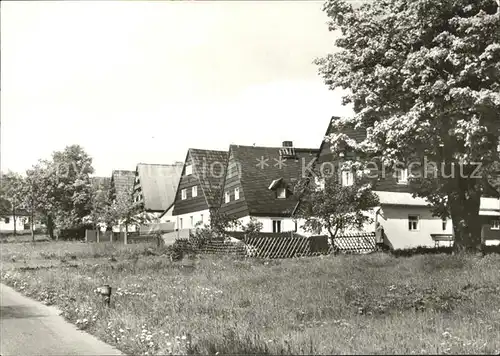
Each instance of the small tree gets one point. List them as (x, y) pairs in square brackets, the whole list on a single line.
[(218, 228), (12, 191), (99, 202), (253, 228), (334, 207)]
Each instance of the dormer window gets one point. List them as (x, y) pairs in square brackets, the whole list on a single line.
[(402, 175), (189, 170), (281, 193)]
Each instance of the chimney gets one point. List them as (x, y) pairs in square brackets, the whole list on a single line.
[(287, 150)]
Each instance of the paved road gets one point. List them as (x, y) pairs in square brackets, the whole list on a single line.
[(32, 328)]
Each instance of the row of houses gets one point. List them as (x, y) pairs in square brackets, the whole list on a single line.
[(248, 182)]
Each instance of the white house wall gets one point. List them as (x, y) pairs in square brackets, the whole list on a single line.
[(168, 217), (394, 219), (20, 220), (201, 215), (287, 224)]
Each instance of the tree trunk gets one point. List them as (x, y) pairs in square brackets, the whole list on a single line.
[(464, 203), (50, 227), (14, 219), (333, 235), (32, 224)]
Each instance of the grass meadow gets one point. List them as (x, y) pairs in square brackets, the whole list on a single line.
[(375, 304)]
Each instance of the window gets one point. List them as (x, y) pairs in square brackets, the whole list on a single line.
[(191, 220), (236, 193), (402, 175), (183, 194), (227, 197), (347, 178), (281, 193), (201, 218), (6, 220), (296, 226), (495, 224), (180, 223), (276, 225), (413, 222), (444, 224), (194, 191), (320, 183), (189, 170)]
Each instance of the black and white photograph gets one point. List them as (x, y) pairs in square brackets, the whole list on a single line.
[(268, 177)]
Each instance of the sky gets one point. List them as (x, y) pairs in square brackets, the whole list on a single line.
[(145, 81)]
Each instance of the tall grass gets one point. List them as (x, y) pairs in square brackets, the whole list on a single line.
[(374, 304), (63, 249)]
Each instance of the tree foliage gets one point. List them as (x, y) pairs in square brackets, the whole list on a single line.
[(332, 207), (59, 189), (123, 211), (99, 202), (12, 195), (423, 77)]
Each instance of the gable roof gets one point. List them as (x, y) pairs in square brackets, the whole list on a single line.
[(260, 167), (209, 166), (122, 181), (158, 184)]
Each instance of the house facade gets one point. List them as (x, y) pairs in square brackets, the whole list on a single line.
[(198, 193), (259, 184), (22, 222), (407, 221), (19, 223)]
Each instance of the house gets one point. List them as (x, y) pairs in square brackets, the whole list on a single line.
[(20, 222), (407, 221), (199, 189), (259, 184), (155, 187)]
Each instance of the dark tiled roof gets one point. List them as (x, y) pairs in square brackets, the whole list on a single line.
[(159, 184), (122, 181), (209, 166), (255, 179)]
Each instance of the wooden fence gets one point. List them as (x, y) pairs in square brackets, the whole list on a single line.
[(285, 246), (118, 237)]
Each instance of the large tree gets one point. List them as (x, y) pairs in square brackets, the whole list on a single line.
[(59, 189), (423, 77)]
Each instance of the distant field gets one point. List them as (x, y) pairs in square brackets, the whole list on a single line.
[(375, 304)]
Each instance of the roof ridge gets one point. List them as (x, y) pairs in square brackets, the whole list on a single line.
[(277, 147), (161, 164), (207, 150)]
